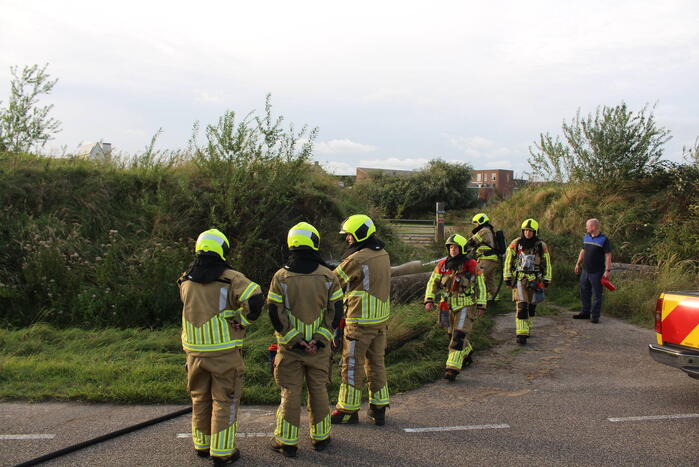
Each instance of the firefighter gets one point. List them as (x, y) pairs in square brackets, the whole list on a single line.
[(365, 274), (305, 307), (527, 272), (483, 242), (460, 283), (219, 303)]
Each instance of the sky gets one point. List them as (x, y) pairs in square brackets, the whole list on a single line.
[(388, 84)]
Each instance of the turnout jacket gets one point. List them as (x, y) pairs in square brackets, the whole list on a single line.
[(518, 265), (305, 306), (463, 287), (209, 310), (484, 241), (366, 278)]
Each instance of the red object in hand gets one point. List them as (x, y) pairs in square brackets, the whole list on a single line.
[(444, 305), (607, 285)]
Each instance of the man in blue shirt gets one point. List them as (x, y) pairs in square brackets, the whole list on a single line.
[(596, 260)]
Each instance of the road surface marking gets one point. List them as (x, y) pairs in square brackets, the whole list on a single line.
[(653, 417), (31, 436), (454, 428), (237, 435)]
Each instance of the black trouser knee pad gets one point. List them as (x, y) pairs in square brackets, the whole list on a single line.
[(522, 310), (459, 337), (532, 309)]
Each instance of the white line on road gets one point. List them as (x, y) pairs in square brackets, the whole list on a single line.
[(455, 428), (653, 417), (31, 436), (237, 435)]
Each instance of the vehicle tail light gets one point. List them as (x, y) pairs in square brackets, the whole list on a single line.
[(659, 316)]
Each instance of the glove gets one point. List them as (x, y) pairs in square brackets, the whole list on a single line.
[(508, 282), (546, 284), (336, 343)]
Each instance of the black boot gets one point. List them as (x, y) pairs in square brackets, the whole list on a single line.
[(322, 444), (287, 450), (226, 460), (342, 418), (450, 375), (468, 361), (378, 414)]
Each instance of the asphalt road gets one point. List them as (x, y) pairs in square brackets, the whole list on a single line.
[(572, 396)]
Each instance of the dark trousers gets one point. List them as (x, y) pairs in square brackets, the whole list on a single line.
[(590, 287)]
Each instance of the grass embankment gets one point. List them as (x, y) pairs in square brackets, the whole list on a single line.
[(653, 222), (147, 366)]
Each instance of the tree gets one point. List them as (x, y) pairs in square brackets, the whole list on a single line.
[(613, 145), (691, 153), (416, 193), (23, 124)]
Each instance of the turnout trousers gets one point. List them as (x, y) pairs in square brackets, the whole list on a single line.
[(491, 270), (460, 326), (215, 386), (525, 309), (292, 367), (363, 360)]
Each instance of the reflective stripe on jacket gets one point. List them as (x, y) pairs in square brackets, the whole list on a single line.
[(542, 260), (464, 287), (366, 278), (307, 304), (209, 309)]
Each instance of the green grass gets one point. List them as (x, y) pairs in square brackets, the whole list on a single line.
[(147, 366)]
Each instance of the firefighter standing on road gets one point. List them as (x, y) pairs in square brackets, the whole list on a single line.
[(218, 304), (527, 271), (483, 241), (365, 273), (305, 306), (462, 285)]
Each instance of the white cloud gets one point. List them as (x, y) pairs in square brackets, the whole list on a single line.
[(203, 96), (394, 163), (339, 146), (338, 167)]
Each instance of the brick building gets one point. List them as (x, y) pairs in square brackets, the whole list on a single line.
[(490, 182)]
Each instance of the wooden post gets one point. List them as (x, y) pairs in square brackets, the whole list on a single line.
[(439, 227)]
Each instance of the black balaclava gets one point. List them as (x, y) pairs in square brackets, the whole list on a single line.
[(304, 260), (371, 242), (206, 267)]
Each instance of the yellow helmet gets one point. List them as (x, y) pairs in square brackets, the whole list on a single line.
[(213, 240), (459, 240), (480, 218), (303, 234), (359, 226), (531, 224)]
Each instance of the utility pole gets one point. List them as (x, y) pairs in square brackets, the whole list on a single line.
[(439, 230)]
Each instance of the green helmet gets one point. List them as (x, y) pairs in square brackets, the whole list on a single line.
[(480, 218), (459, 240), (531, 224), (359, 226), (213, 240), (303, 234)]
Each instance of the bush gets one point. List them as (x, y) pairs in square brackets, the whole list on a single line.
[(416, 194), (102, 243)]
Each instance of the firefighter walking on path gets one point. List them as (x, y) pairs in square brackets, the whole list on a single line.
[(460, 283), (365, 274), (305, 306), (218, 305), (483, 241), (527, 271)]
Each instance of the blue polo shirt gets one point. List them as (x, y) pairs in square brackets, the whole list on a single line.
[(595, 248)]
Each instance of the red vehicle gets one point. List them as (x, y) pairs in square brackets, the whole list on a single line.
[(677, 331)]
